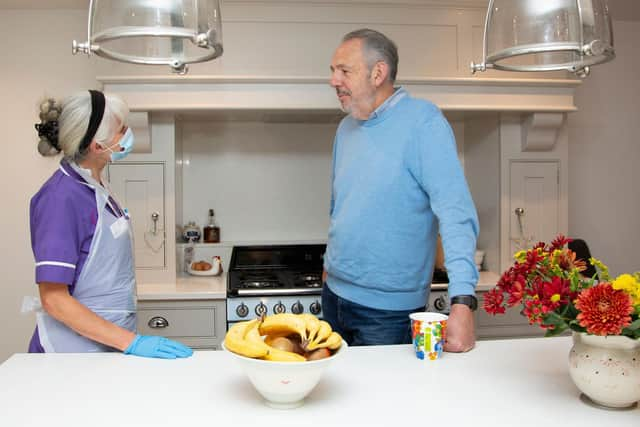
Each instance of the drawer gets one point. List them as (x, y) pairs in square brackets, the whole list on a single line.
[(185, 319)]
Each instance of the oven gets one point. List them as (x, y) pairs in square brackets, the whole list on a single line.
[(271, 279)]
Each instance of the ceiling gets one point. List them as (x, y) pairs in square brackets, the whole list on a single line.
[(623, 10)]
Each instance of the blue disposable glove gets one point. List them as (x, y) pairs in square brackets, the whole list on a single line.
[(161, 347)]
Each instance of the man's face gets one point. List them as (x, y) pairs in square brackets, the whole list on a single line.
[(352, 80)]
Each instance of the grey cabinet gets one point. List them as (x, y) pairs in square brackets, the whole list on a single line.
[(200, 324)]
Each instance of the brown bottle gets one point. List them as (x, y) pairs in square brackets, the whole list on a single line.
[(211, 232)]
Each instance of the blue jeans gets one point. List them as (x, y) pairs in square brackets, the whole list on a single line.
[(360, 325)]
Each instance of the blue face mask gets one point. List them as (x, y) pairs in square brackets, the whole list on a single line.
[(125, 142)]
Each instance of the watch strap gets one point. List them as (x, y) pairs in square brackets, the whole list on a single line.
[(469, 300)]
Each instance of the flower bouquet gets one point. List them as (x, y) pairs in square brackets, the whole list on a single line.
[(549, 283)]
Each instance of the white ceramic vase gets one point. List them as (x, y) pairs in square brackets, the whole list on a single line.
[(606, 369)]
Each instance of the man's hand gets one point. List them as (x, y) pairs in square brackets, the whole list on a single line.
[(460, 334)]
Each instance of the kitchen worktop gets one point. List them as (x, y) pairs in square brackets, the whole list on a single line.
[(215, 287), (500, 383), (185, 287)]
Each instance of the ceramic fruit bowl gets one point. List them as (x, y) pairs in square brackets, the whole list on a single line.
[(284, 385)]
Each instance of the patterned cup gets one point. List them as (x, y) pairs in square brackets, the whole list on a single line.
[(428, 332)]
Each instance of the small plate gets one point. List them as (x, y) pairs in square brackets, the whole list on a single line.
[(209, 272)]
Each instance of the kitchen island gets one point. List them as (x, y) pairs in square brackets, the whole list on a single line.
[(500, 383)]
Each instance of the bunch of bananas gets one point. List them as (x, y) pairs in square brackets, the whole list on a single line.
[(288, 338)]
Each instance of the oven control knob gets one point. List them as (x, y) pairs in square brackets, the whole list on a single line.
[(279, 308), (315, 307), (440, 303), (261, 309), (242, 310), (297, 308)]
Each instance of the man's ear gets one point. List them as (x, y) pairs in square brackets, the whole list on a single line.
[(379, 73)]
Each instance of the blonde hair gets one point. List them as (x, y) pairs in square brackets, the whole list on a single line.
[(73, 116)]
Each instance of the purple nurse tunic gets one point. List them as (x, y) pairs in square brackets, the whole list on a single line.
[(63, 218)]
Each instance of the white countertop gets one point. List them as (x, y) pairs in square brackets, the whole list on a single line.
[(500, 383), (215, 287), (185, 287)]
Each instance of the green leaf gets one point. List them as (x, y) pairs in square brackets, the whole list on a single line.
[(633, 327), (557, 330)]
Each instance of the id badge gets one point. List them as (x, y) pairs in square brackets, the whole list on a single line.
[(119, 227)]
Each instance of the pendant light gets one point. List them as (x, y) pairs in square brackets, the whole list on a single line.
[(546, 35), (154, 32)]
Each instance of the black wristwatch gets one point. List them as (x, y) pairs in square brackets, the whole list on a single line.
[(468, 300)]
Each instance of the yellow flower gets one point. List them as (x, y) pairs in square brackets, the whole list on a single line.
[(520, 256), (603, 270), (630, 285)]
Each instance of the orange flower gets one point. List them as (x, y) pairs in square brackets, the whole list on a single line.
[(604, 310)]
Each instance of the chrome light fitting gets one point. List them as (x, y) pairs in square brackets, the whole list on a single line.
[(154, 32), (546, 35)]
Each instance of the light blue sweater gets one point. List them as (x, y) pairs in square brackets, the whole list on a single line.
[(396, 181)]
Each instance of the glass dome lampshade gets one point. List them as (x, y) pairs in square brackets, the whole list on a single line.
[(154, 32), (546, 35)]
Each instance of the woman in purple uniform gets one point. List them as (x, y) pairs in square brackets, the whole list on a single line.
[(81, 237)]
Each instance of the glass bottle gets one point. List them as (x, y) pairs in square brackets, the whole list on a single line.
[(211, 230)]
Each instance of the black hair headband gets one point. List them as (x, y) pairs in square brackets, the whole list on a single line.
[(97, 112)]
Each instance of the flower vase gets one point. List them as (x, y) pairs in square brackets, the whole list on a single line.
[(606, 369)]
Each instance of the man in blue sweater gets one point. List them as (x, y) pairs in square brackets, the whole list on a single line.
[(397, 182)]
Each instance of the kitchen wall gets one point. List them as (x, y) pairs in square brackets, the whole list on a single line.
[(604, 155), (32, 66), (36, 60), (267, 180)]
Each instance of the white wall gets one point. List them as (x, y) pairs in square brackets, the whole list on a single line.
[(604, 155), (30, 43), (265, 181)]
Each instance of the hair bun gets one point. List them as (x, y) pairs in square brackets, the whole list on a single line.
[(48, 127)]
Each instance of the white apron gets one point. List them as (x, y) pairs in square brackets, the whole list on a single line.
[(106, 284)]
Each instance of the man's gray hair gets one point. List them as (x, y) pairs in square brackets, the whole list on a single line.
[(378, 47)]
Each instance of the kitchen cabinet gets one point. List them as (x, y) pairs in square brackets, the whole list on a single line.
[(512, 324), (534, 192), (200, 324), (145, 183), (516, 162), (140, 188)]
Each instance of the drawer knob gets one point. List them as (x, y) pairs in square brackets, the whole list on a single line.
[(158, 322)]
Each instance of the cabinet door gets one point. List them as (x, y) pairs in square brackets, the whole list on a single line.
[(535, 188), (140, 188)]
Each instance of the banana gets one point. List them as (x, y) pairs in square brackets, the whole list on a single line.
[(323, 333), (240, 339), (312, 325), (252, 336), (277, 355), (333, 342), (284, 324)]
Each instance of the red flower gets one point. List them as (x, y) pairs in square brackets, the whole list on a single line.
[(559, 242), (516, 292), (555, 293), (493, 301), (604, 310)]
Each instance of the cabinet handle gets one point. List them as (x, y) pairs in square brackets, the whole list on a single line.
[(158, 322)]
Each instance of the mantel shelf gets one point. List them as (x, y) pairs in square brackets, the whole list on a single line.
[(201, 93)]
